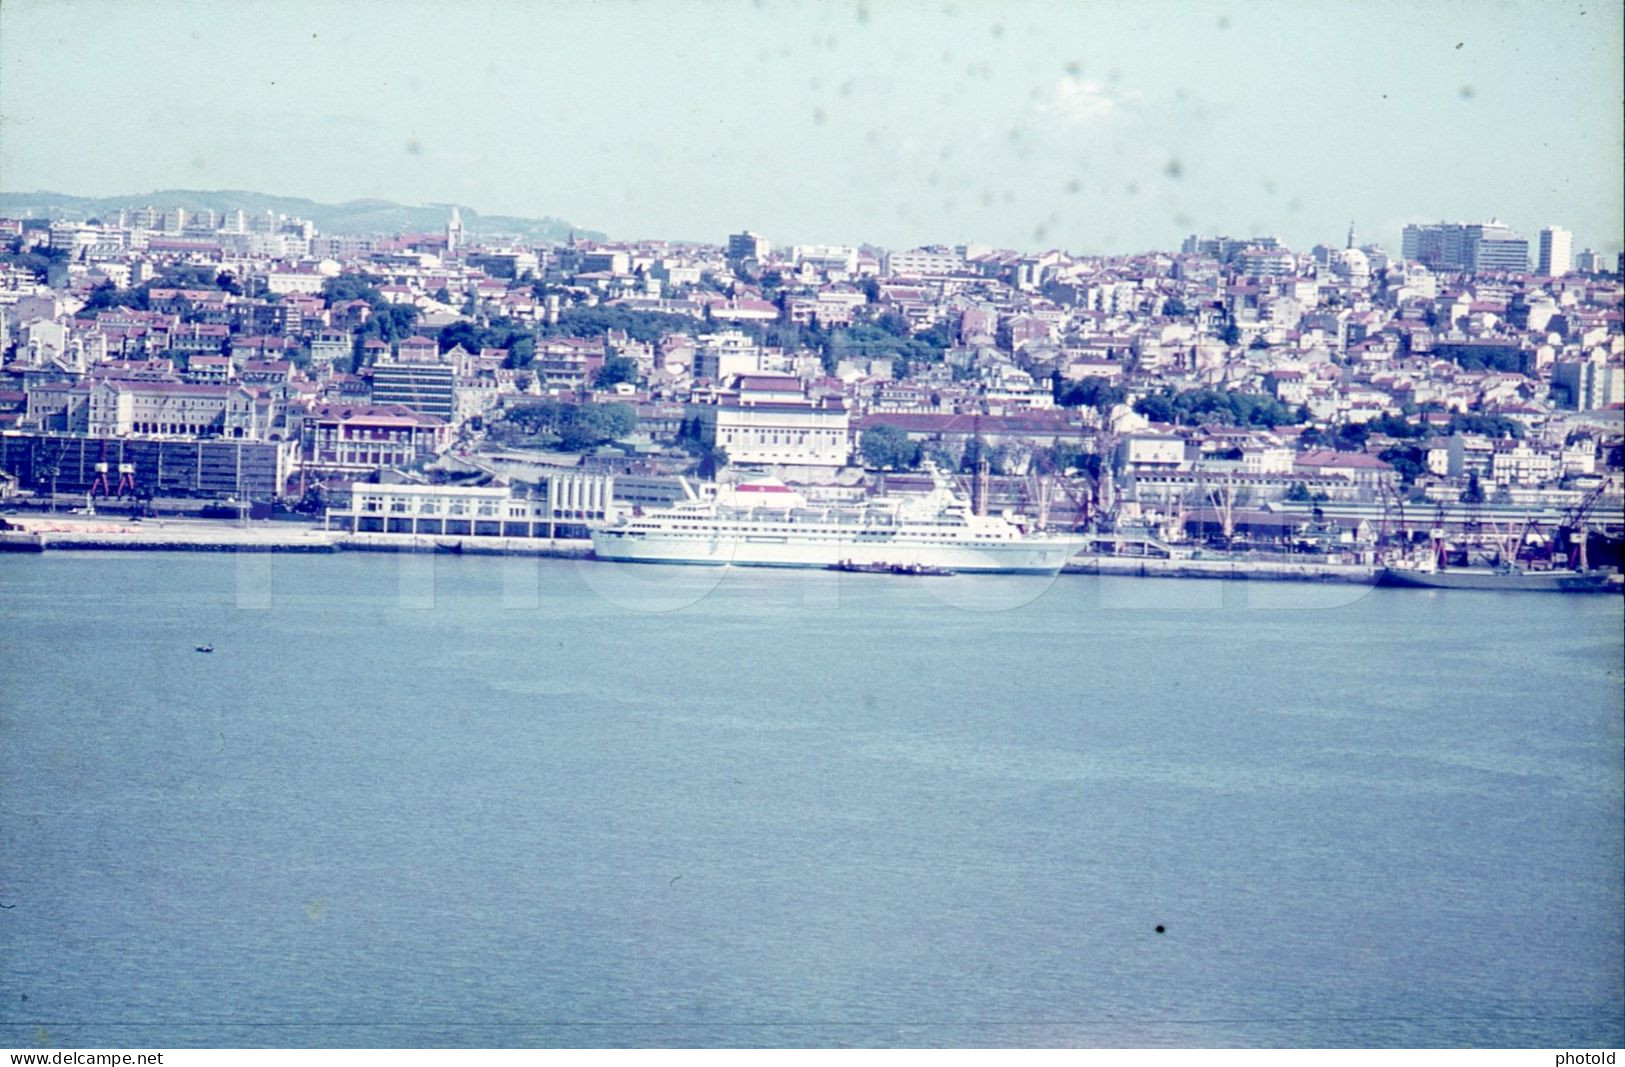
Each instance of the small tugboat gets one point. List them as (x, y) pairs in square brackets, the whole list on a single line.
[(920, 570), (906, 570), (205, 648), (853, 567)]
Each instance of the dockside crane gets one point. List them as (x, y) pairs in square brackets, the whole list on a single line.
[(1223, 499), (1518, 546), (1574, 530), (1393, 516), (1441, 547), (1082, 510), (1037, 490)]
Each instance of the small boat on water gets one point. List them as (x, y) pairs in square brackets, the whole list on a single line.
[(848, 566), (920, 570), (450, 548), (205, 648), (910, 570)]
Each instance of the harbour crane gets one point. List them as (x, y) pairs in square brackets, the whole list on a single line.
[(1573, 528), (1393, 516)]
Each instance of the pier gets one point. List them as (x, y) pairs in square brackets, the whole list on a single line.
[(88, 533), (1241, 569)]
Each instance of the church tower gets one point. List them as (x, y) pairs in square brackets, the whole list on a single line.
[(454, 231)]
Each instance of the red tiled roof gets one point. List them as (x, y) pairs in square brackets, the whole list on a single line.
[(391, 414), (1329, 458), (933, 422), (186, 388), (769, 382)]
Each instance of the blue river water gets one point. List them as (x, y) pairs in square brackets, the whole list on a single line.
[(417, 800)]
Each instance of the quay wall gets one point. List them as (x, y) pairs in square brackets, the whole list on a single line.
[(469, 546), (187, 537), (1240, 569), (76, 534), (62, 533)]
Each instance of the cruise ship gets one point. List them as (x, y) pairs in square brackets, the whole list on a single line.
[(766, 523)]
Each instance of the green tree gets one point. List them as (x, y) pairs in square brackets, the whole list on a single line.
[(1409, 460), (39, 261), (1474, 493), (1479, 355), (107, 296), (1158, 407), (1488, 425), (1217, 407), (467, 334), (498, 333), (869, 341), (573, 427), (1351, 437), (888, 447), (588, 425), (390, 323), (521, 353), (645, 326), (616, 369), (893, 323), (712, 460), (1394, 426), (347, 287), (531, 419), (187, 277), (1062, 457), (1093, 392)]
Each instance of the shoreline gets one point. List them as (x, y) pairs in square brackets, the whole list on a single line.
[(80, 534), (75, 534), (196, 536)]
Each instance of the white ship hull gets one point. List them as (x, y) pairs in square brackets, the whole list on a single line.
[(1033, 555)]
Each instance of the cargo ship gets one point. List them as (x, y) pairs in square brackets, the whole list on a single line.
[(1501, 579)]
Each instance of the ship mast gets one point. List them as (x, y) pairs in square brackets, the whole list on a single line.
[(978, 500)]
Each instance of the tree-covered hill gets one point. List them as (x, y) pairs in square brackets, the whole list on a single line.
[(355, 216)]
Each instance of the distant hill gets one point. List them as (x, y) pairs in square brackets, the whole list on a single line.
[(356, 216)]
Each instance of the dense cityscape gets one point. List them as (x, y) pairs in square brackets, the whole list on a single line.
[(768, 524), (1236, 393)]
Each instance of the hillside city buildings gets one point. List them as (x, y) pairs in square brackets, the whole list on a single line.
[(219, 353)]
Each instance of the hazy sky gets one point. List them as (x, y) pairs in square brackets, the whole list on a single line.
[(1091, 126)]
